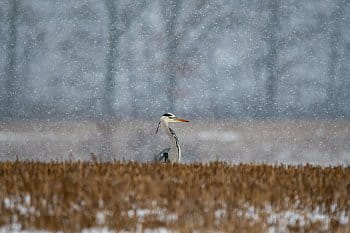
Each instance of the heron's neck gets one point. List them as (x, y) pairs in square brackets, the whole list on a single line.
[(175, 147), (167, 129), (171, 134)]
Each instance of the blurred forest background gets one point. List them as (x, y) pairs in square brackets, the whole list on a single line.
[(210, 59), (92, 77)]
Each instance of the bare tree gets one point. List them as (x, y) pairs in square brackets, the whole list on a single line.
[(119, 22), (12, 85), (171, 13), (112, 44), (132, 82), (278, 42), (179, 24), (333, 89), (273, 25)]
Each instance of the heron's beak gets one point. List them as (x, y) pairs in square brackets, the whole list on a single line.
[(181, 120)]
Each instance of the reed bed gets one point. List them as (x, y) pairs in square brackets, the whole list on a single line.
[(213, 197)]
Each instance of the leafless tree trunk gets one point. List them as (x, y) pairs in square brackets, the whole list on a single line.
[(213, 86), (271, 59), (105, 122), (112, 54), (12, 85), (132, 80), (119, 22), (333, 87), (171, 12)]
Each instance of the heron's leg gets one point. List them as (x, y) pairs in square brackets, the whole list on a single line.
[(166, 157)]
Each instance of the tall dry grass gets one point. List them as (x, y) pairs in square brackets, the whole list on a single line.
[(205, 197)]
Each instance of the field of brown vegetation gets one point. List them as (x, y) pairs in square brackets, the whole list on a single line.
[(213, 197)]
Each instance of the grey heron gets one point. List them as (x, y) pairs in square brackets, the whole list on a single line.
[(172, 154)]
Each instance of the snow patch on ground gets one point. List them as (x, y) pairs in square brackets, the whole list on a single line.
[(278, 221), (161, 213), (16, 228)]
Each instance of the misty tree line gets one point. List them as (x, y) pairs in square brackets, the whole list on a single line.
[(138, 59)]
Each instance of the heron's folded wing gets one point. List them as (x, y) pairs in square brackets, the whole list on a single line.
[(163, 155)]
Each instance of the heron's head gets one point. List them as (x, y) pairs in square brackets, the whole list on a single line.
[(170, 118)]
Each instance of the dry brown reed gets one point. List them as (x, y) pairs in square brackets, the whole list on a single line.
[(214, 197)]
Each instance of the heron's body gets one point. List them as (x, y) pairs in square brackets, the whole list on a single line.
[(172, 154)]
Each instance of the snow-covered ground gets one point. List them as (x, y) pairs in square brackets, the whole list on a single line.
[(16, 228), (277, 221)]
